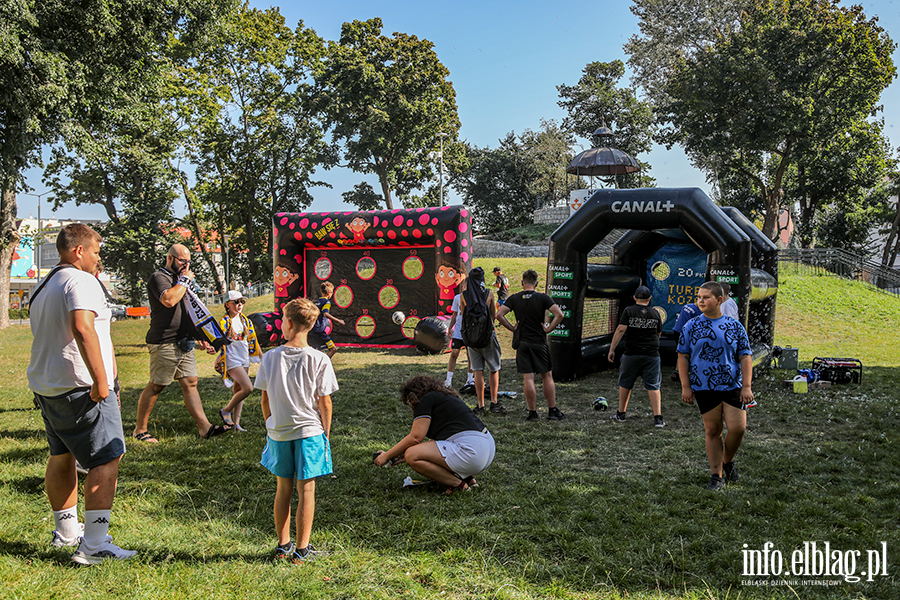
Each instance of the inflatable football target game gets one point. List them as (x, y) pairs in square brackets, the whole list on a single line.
[(390, 269)]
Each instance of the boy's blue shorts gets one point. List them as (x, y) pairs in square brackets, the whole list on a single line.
[(305, 458)]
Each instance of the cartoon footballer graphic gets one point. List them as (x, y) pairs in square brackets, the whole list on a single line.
[(284, 276), (449, 274), (358, 226)]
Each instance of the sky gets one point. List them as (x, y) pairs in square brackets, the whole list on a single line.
[(505, 61)]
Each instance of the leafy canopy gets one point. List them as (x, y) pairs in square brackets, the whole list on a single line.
[(386, 99)]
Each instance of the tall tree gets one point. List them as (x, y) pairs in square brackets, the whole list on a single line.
[(793, 75), (387, 98), (62, 60), (254, 132), (673, 31), (597, 99)]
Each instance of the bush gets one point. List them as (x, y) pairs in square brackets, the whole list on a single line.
[(15, 313)]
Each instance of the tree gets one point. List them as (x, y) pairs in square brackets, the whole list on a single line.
[(252, 129), (792, 76), (673, 31), (496, 186), (386, 99), (62, 60), (547, 152), (505, 185), (838, 178)]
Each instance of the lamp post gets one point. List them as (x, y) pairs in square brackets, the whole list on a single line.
[(40, 233), (442, 135), (227, 237)]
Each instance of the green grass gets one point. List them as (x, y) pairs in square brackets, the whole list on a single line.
[(582, 508)]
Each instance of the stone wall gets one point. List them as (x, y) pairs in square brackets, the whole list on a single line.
[(493, 249), (551, 215)]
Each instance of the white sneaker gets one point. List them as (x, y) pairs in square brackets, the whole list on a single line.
[(59, 541), (106, 551)]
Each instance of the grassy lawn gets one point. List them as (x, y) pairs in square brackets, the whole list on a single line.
[(582, 508)]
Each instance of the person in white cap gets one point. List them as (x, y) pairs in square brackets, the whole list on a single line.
[(234, 359)]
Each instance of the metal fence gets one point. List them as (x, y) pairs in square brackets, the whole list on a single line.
[(823, 261)]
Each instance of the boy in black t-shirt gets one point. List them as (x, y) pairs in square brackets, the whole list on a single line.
[(533, 354), (641, 327)]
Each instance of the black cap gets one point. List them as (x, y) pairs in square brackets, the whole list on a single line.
[(496, 269), (642, 293)]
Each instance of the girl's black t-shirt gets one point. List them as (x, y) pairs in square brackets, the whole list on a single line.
[(449, 415)]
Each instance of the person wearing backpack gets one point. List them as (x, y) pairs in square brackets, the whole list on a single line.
[(530, 341), (479, 309)]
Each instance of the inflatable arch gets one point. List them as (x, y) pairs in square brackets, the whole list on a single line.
[(676, 240), (390, 269)]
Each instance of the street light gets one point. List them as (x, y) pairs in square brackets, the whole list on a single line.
[(39, 235), (442, 135), (227, 237)]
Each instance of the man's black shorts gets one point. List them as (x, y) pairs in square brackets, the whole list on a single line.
[(533, 358), (707, 400)]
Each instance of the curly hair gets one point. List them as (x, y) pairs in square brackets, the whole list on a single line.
[(415, 387)]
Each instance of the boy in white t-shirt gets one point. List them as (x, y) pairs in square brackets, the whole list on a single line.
[(72, 374), (296, 382)]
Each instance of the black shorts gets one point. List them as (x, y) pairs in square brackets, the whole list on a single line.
[(91, 431), (707, 400), (533, 357), (457, 344)]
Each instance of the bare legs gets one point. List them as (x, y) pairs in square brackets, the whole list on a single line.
[(191, 401), (717, 450), (61, 482), (242, 388), (306, 506), (426, 460), (655, 400)]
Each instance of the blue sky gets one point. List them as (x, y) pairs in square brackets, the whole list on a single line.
[(505, 61)]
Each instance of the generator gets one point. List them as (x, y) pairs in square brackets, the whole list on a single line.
[(838, 370)]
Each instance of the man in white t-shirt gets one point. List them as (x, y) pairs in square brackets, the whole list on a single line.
[(71, 373)]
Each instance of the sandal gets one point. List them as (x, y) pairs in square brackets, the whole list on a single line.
[(214, 430), (226, 417), (145, 436), (470, 481), (462, 487)]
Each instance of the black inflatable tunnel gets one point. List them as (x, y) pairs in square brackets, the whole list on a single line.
[(650, 212)]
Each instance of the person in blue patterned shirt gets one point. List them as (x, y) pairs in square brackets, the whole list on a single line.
[(714, 351)]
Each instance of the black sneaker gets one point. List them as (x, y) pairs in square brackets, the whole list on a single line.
[(554, 414), (729, 472), (618, 417), (468, 389), (658, 421), (715, 483), (497, 408), (532, 416), (478, 410)]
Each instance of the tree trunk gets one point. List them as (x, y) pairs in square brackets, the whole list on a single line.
[(9, 240), (770, 222), (385, 186), (251, 240), (195, 224), (890, 251)]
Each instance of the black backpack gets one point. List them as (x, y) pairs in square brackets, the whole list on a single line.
[(476, 326)]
